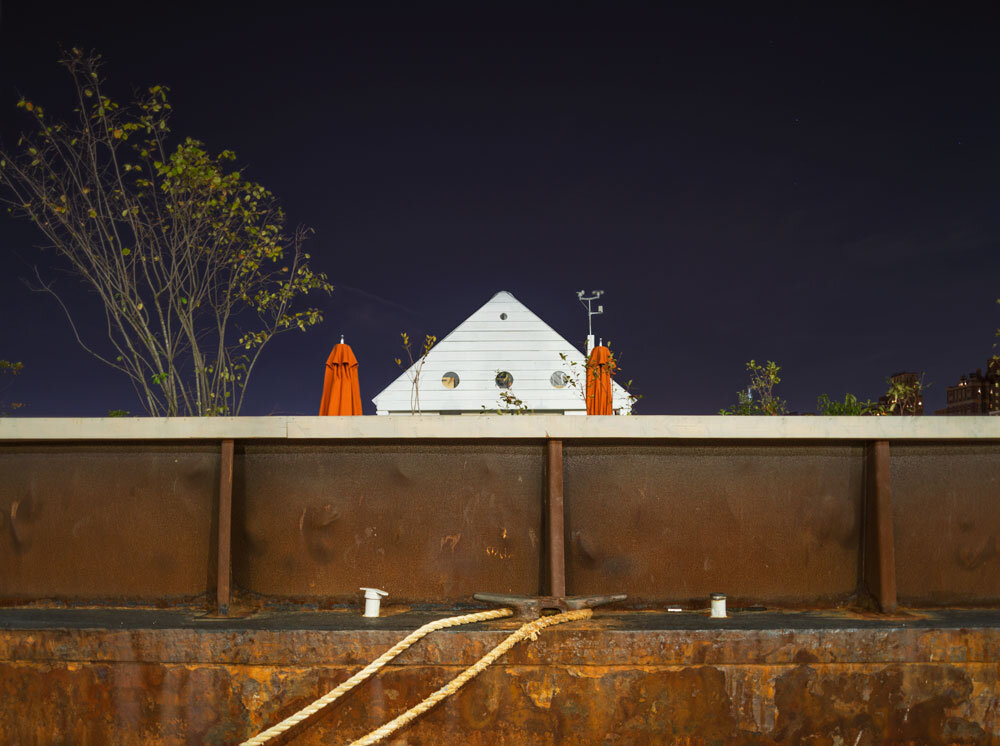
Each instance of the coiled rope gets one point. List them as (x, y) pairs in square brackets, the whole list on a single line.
[(528, 630)]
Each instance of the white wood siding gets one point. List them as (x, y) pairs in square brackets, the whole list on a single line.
[(485, 344)]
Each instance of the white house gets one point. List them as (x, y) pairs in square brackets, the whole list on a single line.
[(501, 347)]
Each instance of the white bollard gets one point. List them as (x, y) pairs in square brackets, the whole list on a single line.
[(373, 599), (718, 606)]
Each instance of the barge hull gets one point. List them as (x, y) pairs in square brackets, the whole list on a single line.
[(148, 677)]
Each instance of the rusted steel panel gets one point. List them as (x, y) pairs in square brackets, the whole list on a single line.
[(763, 523), (128, 522), (612, 680), (424, 522), (766, 522), (878, 560), (556, 546), (225, 563), (946, 510), (157, 705)]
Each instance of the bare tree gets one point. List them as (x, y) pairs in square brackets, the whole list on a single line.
[(189, 260)]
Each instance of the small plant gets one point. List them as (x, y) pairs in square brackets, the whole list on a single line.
[(851, 406), (512, 404), (7, 368), (574, 372), (119, 413), (759, 397), (905, 395), (616, 368), (416, 366)]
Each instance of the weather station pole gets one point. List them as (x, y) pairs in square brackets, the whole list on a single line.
[(586, 301)]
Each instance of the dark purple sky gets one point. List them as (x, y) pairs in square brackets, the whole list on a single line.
[(822, 190)]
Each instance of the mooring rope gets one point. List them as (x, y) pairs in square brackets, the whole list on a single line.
[(292, 720), (531, 629)]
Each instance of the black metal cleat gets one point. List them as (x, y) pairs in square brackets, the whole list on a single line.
[(531, 607)]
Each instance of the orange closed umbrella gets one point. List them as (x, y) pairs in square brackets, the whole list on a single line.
[(599, 370), (341, 392)]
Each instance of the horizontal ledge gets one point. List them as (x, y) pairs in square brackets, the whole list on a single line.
[(965, 637), (710, 427)]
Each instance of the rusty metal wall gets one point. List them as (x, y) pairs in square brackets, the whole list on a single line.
[(765, 522), (107, 522), (761, 522), (946, 511), (425, 522), (598, 682)]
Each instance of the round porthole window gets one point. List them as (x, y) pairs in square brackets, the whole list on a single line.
[(450, 380), (559, 380), (503, 317), (504, 380)]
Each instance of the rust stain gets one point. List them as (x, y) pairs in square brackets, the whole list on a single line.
[(15, 534), (541, 692), (972, 559)]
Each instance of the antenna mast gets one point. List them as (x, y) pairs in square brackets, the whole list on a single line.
[(585, 301)]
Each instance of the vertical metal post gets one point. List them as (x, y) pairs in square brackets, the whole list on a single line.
[(878, 543), (557, 548), (223, 591)]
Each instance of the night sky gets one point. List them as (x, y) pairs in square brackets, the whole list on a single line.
[(819, 190)]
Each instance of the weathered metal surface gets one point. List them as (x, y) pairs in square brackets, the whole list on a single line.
[(878, 563), (771, 522), (763, 523), (423, 522), (946, 510), (225, 562), (631, 678), (556, 546), (105, 521)]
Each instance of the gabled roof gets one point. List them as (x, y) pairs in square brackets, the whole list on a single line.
[(502, 335)]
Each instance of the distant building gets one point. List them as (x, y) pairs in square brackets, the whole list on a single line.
[(912, 404), (501, 349), (975, 393)]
